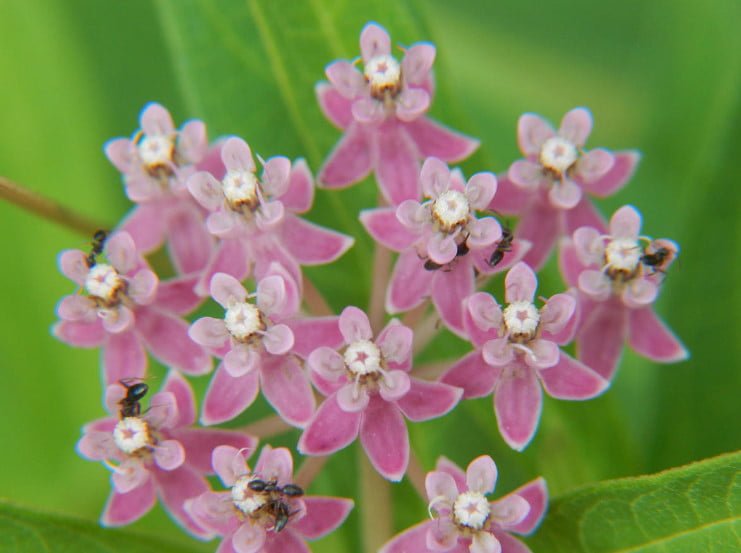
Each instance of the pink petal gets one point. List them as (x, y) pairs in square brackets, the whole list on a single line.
[(428, 400), (440, 485), (79, 334), (97, 446), (480, 190), (595, 284), (169, 454), (558, 310), (300, 194), (448, 291), (206, 190), (584, 214), (483, 542), (576, 126), (417, 62), (275, 462), (222, 224), (214, 511), (327, 362), (621, 172), (118, 319), (482, 318), (77, 308), (315, 332), (481, 475), (142, 188), (237, 155), (483, 232), (129, 475), (444, 464), (394, 386), (395, 342), (518, 401), (509, 510), (397, 169), (249, 538), (267, 251), (286, 387), (532, 132), (73, 265), (383, 225), (143, 287), (570, 379), (146, 226), (278, 339), (184, 399), (163, 413), (412, 103), (639, 293), (498, 352), (155, 119), (312, 244), (200, 442), (177, 486), (652, 338), (368, 111), (594, 165), (520, 284), (599, 342), (509, 199), (192, 141), (334, 105), (569, 263), (383, 434), (435, 140), (286, 542), (525, 174), (121, 252), (227, 290), (274, 294), (536, 494), (231, 258), (564, 195), (125, 508), (123, 357), (354, 325), (276, 176), (589, 246), (409, 284), (411, 540), (510, 544), (209, 332), (330, 430), (350, 161), (475, 377), (323, 514), (227, 396), (120, 152), (345, 78), (540, 226), (352, 400), (625, 223), (229, 463), (167, 339), (374, 41), (434, 177), (442, 248)]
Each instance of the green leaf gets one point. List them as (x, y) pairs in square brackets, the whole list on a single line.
[(696, 508), (25, 531)]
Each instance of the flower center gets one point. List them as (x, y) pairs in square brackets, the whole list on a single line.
[(558, 154), (241, 190), (521, 319), (622, 256), (105, 284), (383, 74), (245, 499), (132, 434), (363, 358), (243, 320), (157, 153), (471, 509), (450, 210)]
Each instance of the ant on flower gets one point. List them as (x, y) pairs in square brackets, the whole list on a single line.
[(130, 406), (462, 249), (504, 245), (97, 243), (275, 505)]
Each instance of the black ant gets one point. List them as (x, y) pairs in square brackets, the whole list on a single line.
[(461, 250), (98, 242), (504, 245), (290, 490), (276, 506), (130, 406), (657, 259), (281, 512)]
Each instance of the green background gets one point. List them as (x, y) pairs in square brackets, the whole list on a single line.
[(660, 76)]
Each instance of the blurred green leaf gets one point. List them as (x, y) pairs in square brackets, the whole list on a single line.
[(688, 509), (26, 531)]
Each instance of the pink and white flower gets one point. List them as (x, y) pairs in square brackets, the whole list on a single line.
[(255, 218), (546, 189), (125, 309), (155, 454), (369, 392), (443, 244), (517, 352), (618, 276), (466, 519), (267, 520), (382, 111)]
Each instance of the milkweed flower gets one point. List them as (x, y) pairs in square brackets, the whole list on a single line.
[(382, 111), (256, 219), (517, 351), (466, 519), (369, 392), (618, 275), (157, 453), (442, 242), (125, 309), (272, 518), (547, 189), (156, 163)]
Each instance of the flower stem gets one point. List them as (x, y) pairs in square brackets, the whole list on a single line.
[(432, 371), (46, 208), (309, 469), (425, 331), (268, 427), (375, 497), (314, 299), (381, 275), (416, 474)]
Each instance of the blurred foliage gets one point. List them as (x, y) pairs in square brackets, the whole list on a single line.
[(663, 77)]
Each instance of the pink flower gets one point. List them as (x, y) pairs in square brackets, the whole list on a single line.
[(155, 454), (126, 310), (263, 511), (466, 519), (255, 339), (255, 218), (517, 351), (369, 392), (382, 111), (443, 244), (155, 164), (618, 275), (546, 189)]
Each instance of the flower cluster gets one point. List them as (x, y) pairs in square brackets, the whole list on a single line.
[(235, 235)]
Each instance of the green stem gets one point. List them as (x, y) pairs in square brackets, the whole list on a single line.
[(375, 499)]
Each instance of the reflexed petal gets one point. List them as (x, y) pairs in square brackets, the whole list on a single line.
[(221, 224), (164, 411), (241, 360), (484, 311), (249, 538), (440, 484), (382, 224), (568, 262), (116, 320), (129, 475), (570, 379), (143, 287), (175, 488), (345, 78), (330, 430), (229, 464), (327, 362), (125, 508), (564, 195), (367, 111), (169, 454), (226, 290), (354, 325), (483, 232), (184, 399), (442, 248), (209, 332), (625, 223), (270, 215), (442, 535), (349, 162), (652, 338), (509, 510), (214, 511), (313, 332), (448, 291), (77, 308), (272, 291), (434, 177), (481, 475), (395, 342), (300, 193), (540, 225), (383, 434), (121, 153), (97, 446), (428, 400), (123, 357), (237, 155), (434, 139), (278, 339), (80, 335), (480, 190), (227, 396), (532, 132), (312, 244), (483, 542), (286, 387), (576, 126), (275, 176), (73, 265), (412, 103), (520, 284), (394, 385), (206, 190), (374, 41), (640, 292), (599, 341), (334, 105), (595, 284), (589, 246), (475, 377), (623, 167), (517, 402), (594, 165), (352, 399), (397, 168), (413, 216), (189, 242), (121, 252), (417, 62), (557, 311), (444, 464), (155, 119), (323, 514), (536, 494), (409, 284), (142, 188)]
